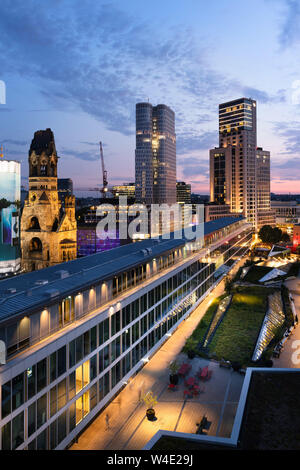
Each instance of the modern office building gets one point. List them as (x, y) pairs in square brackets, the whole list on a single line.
[(76, 333), (221, 165), (214, 211), (127, 190), (10, 185), (239, 171), (287, 214), (237, 127), (155, 155), (183, 192), (265, 215), (48, 233), (64, 188)]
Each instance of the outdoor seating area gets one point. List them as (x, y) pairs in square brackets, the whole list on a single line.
[(193, 388)]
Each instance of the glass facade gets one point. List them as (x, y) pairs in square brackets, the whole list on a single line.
[(53, 397)]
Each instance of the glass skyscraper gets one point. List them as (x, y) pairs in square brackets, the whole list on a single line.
[(155, 155)]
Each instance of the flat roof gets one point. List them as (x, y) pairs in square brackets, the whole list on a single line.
[(36, 289)]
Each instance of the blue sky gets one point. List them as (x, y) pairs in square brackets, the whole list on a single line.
[(80, 66)]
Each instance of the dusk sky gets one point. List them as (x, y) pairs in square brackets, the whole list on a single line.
[(80, 66)]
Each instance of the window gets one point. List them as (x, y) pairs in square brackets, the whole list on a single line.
[(126, 315), (31, 381), (93, 367), (17, 391), (79, 349), (41, 413), (6, 436), (115, 323), (31, 419), (6, 399), (93, 396), (72, 385), (82, 407), (103, 331), (53, 370), (41, 374), (86, 343), (18, 430), (93, 339), (61, 361), (82, 376), (72, 353)]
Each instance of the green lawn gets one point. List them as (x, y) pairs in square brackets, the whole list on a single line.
[(198, 334), (237, 335)]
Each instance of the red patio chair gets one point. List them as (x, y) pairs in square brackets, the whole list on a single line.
[(172, 387), (187, 394)]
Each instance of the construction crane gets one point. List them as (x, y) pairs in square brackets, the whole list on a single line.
[(104, 173)]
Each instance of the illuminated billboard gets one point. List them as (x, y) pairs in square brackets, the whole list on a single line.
[(10, 224), (10, 180), (10, 190)]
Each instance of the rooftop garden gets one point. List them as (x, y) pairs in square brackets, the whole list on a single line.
[(236, 336), (200, 331), (270, 419)]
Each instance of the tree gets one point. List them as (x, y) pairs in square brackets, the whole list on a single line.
[(285, 238), (276, 235), (265, 233), (4, 203), (149, 399), (270, 235), (173, 367), (228, 284)]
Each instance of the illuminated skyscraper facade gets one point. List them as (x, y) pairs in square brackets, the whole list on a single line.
[(155, 155), (239, 175), (265, 215)]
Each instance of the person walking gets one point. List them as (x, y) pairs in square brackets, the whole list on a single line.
[(107, 421)]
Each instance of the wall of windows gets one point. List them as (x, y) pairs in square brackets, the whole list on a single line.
[(48, 400), (29, 330)]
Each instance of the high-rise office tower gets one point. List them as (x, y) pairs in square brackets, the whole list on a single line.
[(183, 192), (265, 215), (233, 172), (155, 155)]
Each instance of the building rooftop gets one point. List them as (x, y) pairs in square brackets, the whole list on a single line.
[(37, 289)]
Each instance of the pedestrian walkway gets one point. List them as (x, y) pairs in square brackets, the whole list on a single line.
[(127, 426), (289, 356)]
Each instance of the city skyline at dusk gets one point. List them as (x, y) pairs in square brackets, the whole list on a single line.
[(80, 69)]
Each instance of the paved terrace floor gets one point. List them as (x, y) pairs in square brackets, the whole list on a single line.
[(128, 427)]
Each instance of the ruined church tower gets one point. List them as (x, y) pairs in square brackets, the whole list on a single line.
[(48, 233)]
